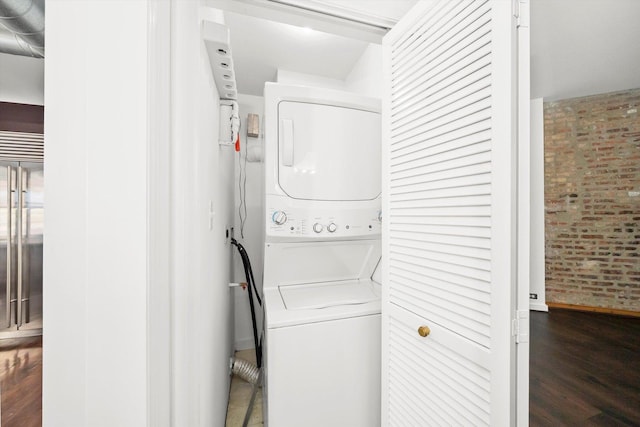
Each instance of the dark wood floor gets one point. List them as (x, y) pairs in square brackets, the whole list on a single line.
[(584, 369), (21, 382)]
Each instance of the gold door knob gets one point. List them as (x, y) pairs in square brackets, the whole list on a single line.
[(423, 331)]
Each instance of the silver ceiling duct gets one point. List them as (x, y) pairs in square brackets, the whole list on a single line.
[(24, 19)]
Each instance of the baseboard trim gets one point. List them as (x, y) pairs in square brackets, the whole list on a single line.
[(604, 310), (244, 344), (538, 306)]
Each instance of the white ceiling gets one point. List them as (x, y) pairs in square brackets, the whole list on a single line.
[(578, 47), (259, 47), (584, 47), (393, 9)]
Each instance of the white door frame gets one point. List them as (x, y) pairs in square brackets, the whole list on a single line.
[(159, 380), (524, 215)]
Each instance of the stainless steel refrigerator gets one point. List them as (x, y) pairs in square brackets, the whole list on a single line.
[(21, 239)]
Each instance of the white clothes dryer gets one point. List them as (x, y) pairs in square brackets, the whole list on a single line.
[(322, 164), (322, 247)]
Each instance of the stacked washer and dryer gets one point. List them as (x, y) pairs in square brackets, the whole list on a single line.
[(322, 253)]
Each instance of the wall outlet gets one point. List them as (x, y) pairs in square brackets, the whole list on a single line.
[(253, 125)]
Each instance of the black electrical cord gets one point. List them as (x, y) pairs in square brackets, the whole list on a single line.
[(251, 286)]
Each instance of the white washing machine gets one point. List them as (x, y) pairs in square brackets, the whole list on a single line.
[(322, 249)]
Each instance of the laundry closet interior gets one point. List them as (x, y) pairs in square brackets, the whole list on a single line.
[(302, 99)]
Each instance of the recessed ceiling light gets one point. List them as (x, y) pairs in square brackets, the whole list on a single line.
[(305, 31)]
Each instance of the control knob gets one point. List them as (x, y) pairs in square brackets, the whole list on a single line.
[(279, 217), (317, 227), (332, 227)]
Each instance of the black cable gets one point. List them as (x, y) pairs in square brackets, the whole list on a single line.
[(248, 272)]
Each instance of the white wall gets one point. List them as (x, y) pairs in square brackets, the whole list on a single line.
[(104, 165), (366, 76), (21, 79), (583, 47), (537, 266), (253, 240), (95, 266), (303, 79), (202, 187)]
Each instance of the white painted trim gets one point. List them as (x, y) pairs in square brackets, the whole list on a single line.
[(342, 11), (537, 206), (524, 220), (385, 187), (303, 18), (538, 306), (158, 215), (504, 216)]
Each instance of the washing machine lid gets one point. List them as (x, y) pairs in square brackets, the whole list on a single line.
[(328, 152), (319, 262), (329, 294)]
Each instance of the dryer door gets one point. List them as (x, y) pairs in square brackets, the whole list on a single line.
[(328, 152)]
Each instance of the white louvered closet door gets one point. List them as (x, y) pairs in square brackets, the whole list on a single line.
[(449, 188)]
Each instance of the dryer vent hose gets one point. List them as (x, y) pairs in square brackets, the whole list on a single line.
[(245, 370)]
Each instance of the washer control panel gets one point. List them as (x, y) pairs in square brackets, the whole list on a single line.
[(279, 217), (323, 224)]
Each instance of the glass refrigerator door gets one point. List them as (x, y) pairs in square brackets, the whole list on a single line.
[(7, 247), (30, 254), (21, 238)]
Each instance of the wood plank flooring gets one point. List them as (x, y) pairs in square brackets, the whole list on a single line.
[(584, 369), (21, 382)]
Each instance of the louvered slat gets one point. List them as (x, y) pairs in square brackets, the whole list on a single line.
[(445, 51), (460, 392), (414, 35), (441, 158), (426, 36), (416, 105), (20, 146), (441, 135), (448, 212)]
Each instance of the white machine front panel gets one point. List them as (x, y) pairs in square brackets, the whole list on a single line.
[(324, 374), (328, 152), (321, 223)]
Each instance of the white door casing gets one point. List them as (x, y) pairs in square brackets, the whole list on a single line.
[(450, 224), (525, 233)]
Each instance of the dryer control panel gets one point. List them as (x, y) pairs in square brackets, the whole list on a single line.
[(323, 224)]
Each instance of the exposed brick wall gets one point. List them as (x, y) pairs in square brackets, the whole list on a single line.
[(592, 200)]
